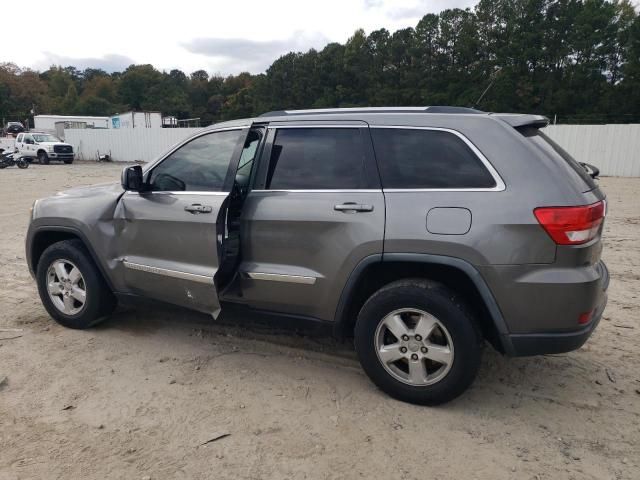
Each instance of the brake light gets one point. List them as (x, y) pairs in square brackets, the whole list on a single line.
[(571, 225)]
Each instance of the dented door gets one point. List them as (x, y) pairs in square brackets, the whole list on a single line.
[(169, 236)]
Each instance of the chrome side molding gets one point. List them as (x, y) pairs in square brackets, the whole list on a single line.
[(168, 273), (277, 277)]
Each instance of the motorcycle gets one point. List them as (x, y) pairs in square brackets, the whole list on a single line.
[(8, 160)]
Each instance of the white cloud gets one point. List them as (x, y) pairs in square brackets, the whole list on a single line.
[(110, 62), (254, 55), (418, 9)]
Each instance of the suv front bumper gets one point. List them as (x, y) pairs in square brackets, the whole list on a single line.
[(61, 156)]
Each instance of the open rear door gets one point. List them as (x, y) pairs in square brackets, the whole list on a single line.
[(170, 234)]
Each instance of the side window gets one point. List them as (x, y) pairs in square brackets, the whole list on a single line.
[(199, 166), (415, 158), (249, 152), (317, 158), (19, 138)]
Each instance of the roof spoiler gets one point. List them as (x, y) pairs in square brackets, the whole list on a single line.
[(517, 120)]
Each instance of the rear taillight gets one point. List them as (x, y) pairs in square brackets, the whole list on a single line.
[(571, 225)]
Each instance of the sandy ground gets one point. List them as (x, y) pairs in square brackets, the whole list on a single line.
[(140, 395)]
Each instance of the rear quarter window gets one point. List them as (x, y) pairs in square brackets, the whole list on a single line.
[(421, 158), (557, 153)]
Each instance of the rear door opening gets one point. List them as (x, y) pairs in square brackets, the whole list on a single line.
[(229, 218)]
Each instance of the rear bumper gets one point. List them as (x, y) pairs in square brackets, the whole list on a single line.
[(539, 343), (544, 343)]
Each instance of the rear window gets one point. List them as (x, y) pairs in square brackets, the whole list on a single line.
[(416, 158), (555, 151)]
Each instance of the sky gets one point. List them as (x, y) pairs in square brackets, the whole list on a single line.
[(223, 37)]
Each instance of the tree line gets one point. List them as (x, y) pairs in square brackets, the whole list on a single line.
[(578, 59)]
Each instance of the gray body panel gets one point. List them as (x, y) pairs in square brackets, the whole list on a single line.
[(93, 209), (166, 252), (300, 234), (300, 256)]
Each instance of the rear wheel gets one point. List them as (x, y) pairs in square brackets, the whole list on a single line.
[(43, 158), (71, 287), (418, 342)]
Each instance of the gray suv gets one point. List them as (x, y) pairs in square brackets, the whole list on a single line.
[(420, 232)]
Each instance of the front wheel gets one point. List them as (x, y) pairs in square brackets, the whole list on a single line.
[(22, 163), (71, 287), (43, 158), (418, 342)]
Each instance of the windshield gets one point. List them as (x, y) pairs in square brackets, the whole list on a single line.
[(39, 137)]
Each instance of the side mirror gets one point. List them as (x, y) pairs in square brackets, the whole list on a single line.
[(132, 178)]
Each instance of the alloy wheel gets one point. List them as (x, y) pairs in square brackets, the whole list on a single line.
[(66, 287), (414, 347)]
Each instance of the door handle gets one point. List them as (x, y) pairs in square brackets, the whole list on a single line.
[(197, 208), (352, 207)]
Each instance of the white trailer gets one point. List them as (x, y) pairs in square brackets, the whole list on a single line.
[(136, 120), (47, 123)]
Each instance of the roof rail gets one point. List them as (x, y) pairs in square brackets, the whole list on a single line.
[(432, 109)]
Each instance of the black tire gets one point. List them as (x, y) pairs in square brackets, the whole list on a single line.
[(3, 165), (100, 301), (68, 162), (22, 163), (43, 158), (437, 300)]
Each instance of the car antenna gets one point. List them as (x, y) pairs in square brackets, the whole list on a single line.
[(493, 77)]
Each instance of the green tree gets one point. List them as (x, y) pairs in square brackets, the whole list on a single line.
[(70, 103)]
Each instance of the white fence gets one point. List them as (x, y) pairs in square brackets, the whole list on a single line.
[(125, 145), (614, 149), (7, 143)]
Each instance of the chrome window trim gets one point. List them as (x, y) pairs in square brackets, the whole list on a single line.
[(179, 192), (499, 187), (278, 277), (318, 190), (169, 273)]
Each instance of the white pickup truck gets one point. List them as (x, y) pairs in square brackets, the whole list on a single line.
[(44, 147)]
